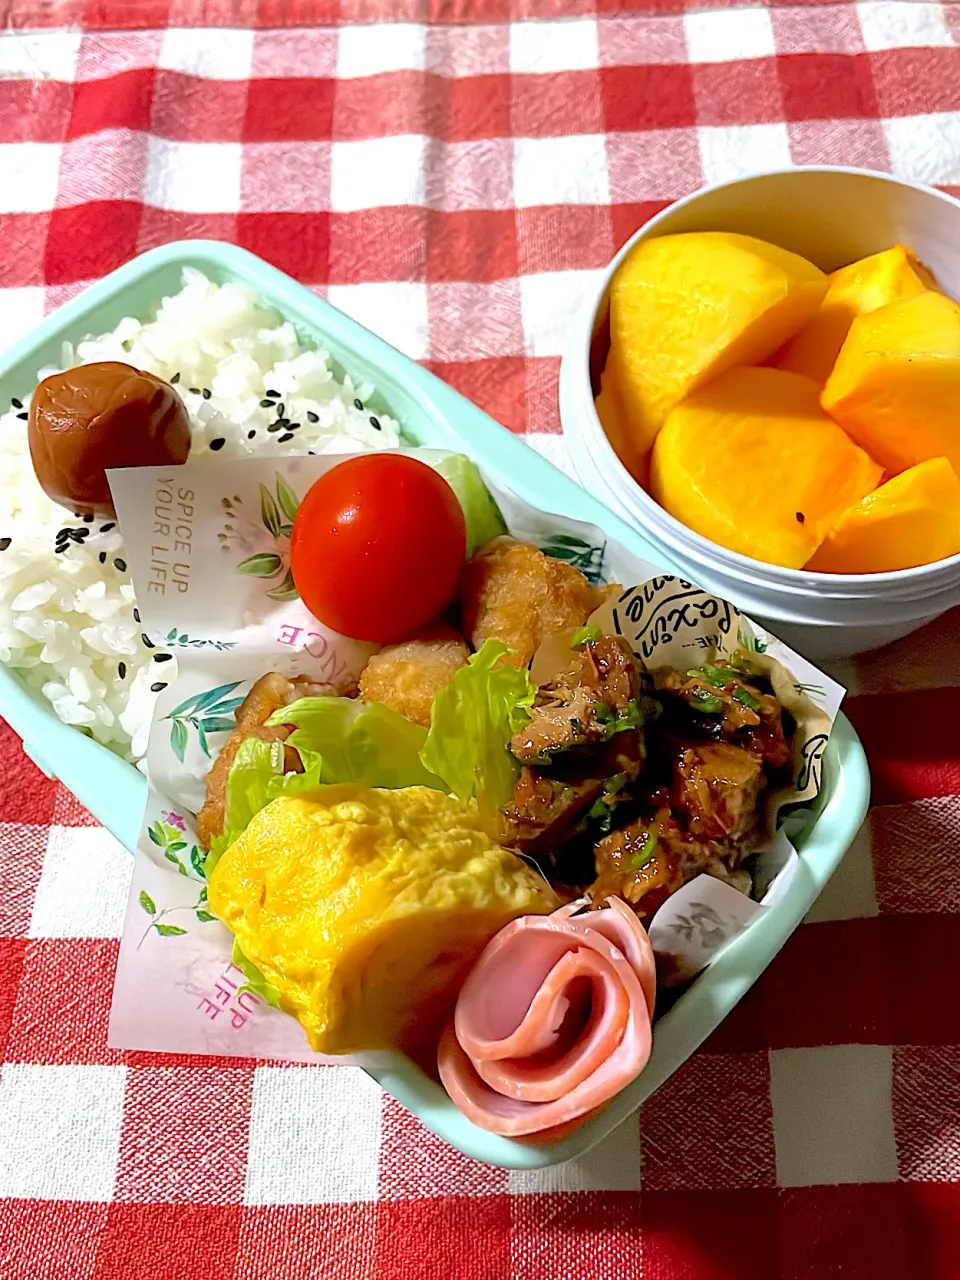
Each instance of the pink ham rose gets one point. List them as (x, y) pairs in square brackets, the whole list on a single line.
[(553, 1020)]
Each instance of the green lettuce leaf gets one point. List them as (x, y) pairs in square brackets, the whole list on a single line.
[(473, 720), (352, 741), (256, 982), (481, 512)]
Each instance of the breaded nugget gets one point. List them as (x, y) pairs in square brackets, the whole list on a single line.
[(406, 677), (512, 592)]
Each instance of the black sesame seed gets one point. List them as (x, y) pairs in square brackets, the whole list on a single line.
[(23, 416), (88, 519), (158, 687), (162, 657), (121, 564), (63, 534), (217, 444), (287, 435), (282, 421), (206, 393), (358, 404), (122, 670), (266, 404), (148, 643), (5, 543), (105, 528), (374, 422), (102, 557), (311, 453), (275, 426), (17, 404), (800, 517), (175, 379), (194, 391), (312, 417), (280, 410), (251, 434), (274, 395), (80, 535), (60, 547), (136, 615), (295, 426)]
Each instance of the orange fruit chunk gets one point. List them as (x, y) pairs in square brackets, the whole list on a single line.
[(913, 519), (684, 308), (752, 462), (609, 406), (895, 388), (853, 291)]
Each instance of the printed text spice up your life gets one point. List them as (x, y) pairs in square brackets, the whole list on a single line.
[(173, 513)]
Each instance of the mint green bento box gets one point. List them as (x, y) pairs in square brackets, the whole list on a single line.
[(431, 414)]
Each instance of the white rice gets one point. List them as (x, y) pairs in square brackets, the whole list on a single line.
[(67, 621)]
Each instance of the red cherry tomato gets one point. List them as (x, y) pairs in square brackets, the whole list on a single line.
[(377, 546)]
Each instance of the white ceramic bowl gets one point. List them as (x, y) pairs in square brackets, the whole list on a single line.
[(831, 216)]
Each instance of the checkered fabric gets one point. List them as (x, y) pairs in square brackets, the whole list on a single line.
[(453, 173)]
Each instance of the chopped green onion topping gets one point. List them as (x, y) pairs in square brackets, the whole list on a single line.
[(631, 718), (601, 812), (615, 783), (746, 698), (644, 855), (700, 700), (602, 713), (585, 635), (710, 675)]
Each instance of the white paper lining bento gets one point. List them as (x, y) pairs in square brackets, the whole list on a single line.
[(208, 551)]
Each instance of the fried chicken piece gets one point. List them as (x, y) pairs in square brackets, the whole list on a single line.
[(746, 715), (717, 786), (546, 809), (510, 591), (608, 666), (560, 719), (582, 704), (406, 677), (269, 694), (634, 865), (651, 858)]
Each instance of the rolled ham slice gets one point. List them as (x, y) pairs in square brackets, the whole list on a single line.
[(553, 1020)]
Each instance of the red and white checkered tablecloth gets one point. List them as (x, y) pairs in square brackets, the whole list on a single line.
[(453, 173)]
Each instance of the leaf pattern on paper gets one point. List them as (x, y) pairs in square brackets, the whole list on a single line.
[(585, 556), (157, 918), (265, 564), (175, 639), (286, 590), (750, 642), (266, 557), (212, 711), (811, 690), (168, 837), (705, 922)]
